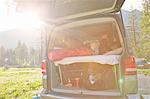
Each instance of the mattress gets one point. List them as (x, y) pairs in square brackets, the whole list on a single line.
[(102, 59)]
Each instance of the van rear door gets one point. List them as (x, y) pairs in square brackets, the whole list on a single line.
[(68, 9)]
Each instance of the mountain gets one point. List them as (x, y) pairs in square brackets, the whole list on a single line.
[(9, 39)]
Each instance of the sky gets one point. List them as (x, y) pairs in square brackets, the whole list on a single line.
[(132, 4)]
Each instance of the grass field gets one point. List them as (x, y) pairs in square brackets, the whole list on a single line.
[(143, 71), (19, 83), (23, 83)]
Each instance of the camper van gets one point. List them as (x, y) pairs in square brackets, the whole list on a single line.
[(87, 54)]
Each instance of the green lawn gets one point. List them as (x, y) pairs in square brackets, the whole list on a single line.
[(23, 83), (144, 71), (19, 83)]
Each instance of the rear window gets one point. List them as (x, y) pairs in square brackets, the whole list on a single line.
[(95, 39)]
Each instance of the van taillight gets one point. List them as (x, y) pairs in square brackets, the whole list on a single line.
[(130, 66), (43, 67)]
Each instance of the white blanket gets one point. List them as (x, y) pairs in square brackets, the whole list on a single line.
[(102, 59)]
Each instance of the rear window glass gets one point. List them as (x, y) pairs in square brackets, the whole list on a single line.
[(98, 38)]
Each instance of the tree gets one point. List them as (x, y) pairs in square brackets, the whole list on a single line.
[(10, 56), (18, 52), (2, 55), (144, 50), (133, 31), (21, 53), (24, 55)]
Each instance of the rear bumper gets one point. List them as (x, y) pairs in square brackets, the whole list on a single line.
[(57, 95)]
